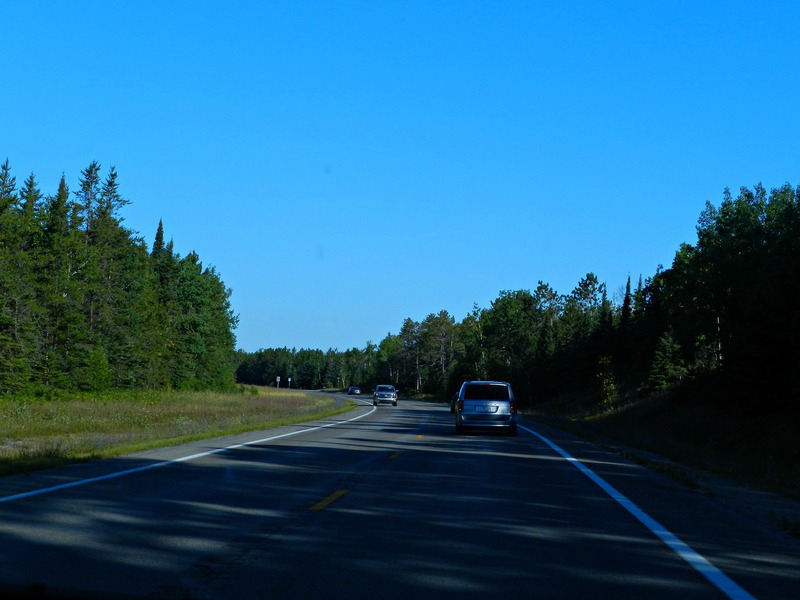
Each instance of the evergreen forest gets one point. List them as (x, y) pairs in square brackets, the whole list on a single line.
[(84, 306), (722, 322)]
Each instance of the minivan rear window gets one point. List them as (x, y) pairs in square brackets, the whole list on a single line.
[(486, 392)]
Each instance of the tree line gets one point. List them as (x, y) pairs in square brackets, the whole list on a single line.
[(723, 318), (85, 306)]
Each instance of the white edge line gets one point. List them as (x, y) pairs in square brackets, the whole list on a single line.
[(695, 560), (173, 461)]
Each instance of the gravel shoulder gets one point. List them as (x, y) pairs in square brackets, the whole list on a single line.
[(771, 510)]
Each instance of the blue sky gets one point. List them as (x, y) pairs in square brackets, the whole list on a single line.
[(347, 165)]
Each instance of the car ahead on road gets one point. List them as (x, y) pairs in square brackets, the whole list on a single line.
[(486, 404), (354, 390), (384, 393)]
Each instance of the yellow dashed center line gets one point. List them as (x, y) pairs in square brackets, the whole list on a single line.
[(322, 504)]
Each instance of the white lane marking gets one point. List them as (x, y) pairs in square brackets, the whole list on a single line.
[(695, 560), (166, 463)]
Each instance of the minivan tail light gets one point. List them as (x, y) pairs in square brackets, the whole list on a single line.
[(513, 407), (460, 404)]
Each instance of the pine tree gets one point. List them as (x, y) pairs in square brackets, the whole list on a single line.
[(8, 187), (158, 243), (17, 299), (626, 310), (110, 202), (84, 305), (668, 366), (88, 195), (56, 217), (60, 280)]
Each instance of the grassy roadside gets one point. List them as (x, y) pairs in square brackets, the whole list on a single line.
[(759, 449), (37, 434)]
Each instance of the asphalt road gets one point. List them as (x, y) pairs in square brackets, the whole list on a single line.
[(390, 505)]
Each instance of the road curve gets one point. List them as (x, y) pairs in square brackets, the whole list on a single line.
[(385, 503)]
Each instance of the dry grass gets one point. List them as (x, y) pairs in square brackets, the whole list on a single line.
[(37, 434)]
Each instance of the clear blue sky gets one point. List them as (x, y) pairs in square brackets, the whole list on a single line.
[(348, 164)]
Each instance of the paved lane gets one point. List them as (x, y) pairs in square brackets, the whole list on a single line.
[(392, 505)]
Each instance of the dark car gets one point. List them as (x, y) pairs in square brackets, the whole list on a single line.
[(384, 393), (354, 390), (486, 404)]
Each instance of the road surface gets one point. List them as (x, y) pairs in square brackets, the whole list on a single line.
[(382, 503)]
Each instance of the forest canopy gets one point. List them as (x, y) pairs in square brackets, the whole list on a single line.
[(85, 306), (724, 317)]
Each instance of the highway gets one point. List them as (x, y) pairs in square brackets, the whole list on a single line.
[(381, 503)]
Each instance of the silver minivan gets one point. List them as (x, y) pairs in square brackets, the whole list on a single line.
[(486, 404)]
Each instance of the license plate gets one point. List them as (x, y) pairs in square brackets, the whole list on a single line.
[(485, 408)]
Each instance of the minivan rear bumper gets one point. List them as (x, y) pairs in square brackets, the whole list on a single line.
[(485, 421)]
